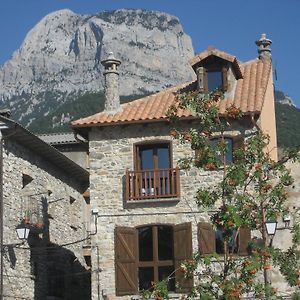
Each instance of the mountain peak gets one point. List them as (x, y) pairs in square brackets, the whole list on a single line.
[(60, 58), (284, 98)]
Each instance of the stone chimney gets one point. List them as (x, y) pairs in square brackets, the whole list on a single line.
[(111, 88), (264, 50)]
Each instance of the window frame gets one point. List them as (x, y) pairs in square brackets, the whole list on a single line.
[(127, 255), (213, 64), (237, 141), (207, 240), (155, 263), (236, 241), (149, 143), (226, 137)]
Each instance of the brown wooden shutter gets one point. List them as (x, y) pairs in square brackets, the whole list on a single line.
[(126, 261), (206, 238), (244, 240), (183, 250), (237, 143), (225, 78)]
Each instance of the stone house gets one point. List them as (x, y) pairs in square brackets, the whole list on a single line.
[(70, 145), (146, 218), (44, 191)]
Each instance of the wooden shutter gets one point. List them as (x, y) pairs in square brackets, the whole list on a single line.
[(225, 78), (200, 79), (237, 143), (206, 238), (183, 250), (244, 240), (126, 261)]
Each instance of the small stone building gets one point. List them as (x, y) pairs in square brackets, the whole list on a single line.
[(71, 146), (42, 190), (146, 218)]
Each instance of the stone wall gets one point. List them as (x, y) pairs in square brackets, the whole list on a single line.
[(283, 236), (111, 153), (49, 265)]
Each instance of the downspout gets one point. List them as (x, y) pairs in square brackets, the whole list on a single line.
[(1, 208)]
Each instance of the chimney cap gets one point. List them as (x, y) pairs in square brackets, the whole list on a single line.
[(264, 44), (110, 60)]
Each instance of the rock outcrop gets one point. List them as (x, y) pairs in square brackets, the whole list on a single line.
[(60, 58)]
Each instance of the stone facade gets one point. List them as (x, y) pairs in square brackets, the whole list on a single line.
[(50, 264), (111, 154)]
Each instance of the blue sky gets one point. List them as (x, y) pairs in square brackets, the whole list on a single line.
[(230, 25)]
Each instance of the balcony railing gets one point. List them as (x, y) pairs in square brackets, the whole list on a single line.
[(152, 184)]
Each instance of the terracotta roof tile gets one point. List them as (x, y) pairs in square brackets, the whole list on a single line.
[(249, 96)]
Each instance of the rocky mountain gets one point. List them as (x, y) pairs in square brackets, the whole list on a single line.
[(284, 98), (287, 121), (60, 60)]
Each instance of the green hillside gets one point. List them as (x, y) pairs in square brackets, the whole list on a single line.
[(83, 105), (288, 125)]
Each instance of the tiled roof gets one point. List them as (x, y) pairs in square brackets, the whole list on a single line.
[(249, 97)]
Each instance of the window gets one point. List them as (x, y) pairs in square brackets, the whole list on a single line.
[(233, 242), (228, 150), (211, 241), (214, 81), (212, 74), (151, 253), (156, 255), (153, 156), (154, 176), (205, 158)]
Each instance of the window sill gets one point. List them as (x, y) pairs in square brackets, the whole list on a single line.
[(152, 201), (171, 296)]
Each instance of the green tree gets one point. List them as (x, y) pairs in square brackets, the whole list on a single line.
[(253, 190)]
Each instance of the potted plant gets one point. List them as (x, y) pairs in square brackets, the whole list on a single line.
[(26, 218)]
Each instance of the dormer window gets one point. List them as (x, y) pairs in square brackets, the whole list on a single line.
[(214, 81), (216, 69), (212, 75)]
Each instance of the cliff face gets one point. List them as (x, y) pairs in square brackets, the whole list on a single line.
[(60, 59)]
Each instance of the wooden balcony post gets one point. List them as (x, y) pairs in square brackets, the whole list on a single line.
[(127, 185), (177, 181)]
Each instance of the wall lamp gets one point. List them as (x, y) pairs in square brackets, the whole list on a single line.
[(23, 232)]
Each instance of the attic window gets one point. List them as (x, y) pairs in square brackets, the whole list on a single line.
[(214, 81), (212, 75)]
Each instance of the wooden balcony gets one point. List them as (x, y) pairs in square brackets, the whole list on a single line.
[(152, 184)]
